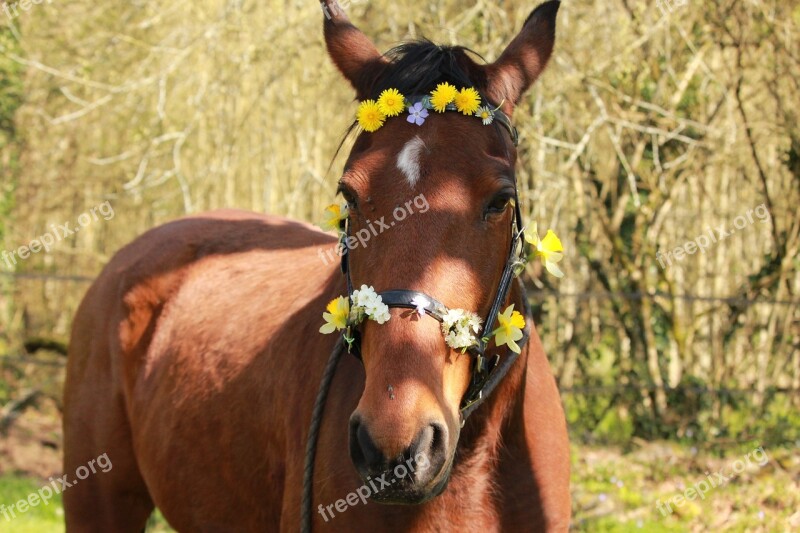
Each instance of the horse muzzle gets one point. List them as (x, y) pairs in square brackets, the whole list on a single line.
[(417, 474)]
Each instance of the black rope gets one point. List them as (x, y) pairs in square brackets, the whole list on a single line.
[(313, 434)]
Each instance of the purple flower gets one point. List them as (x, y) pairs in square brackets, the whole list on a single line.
[(417, 114)]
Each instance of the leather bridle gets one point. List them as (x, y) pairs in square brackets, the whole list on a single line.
[(486, 373)]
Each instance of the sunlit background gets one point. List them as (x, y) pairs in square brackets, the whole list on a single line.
[(657, 127)]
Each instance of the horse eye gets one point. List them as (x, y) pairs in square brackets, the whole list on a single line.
[(348, 196), (498, 204)]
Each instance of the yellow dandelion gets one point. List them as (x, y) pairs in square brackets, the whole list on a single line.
[(441, 96), (468, 101), (369, 116), (391, 103)]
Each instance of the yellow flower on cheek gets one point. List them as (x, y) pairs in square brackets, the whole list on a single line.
[(334, 214), (336, 317), (549, 249), (510, 331)]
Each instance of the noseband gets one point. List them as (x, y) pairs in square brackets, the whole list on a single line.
[(486, 373)]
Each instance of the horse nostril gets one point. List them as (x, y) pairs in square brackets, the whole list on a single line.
[(439, 444), (372, 455), (430, 446), (423, 442), (365, 455)]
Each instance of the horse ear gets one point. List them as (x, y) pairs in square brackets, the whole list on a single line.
[(525, 58), (352, 52)]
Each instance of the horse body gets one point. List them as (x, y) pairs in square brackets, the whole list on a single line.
[(196, 355), (196, 370), (161, 367)]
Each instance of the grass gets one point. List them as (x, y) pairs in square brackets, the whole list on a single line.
[(47, 518), (620, 492), (38, 519), (613, 491)]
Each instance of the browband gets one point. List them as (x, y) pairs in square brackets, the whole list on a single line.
[(498, 115)]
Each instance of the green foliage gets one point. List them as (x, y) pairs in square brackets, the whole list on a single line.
[(10, 86), (616, 425), (11, 99), (616, 418)]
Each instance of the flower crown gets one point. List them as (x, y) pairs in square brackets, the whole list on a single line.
[(372, 114)]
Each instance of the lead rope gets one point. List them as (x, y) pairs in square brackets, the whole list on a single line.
[(313, 433)]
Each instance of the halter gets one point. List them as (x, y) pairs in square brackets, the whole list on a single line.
[(486, 374)]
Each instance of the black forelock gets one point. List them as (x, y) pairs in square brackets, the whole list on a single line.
[(417, 67)]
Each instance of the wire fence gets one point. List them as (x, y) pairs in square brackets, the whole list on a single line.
[(578, 390), (573, 391), (611, 389), (28, 360), (46, 277), (585, 295)]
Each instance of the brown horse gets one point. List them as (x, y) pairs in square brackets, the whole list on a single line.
[(195, 356)]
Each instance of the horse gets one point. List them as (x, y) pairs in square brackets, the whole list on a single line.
[(196, 354)]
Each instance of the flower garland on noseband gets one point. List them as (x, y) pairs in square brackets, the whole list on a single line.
[(459, 327)]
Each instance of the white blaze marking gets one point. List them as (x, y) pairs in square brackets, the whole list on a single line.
[(409, 160)]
